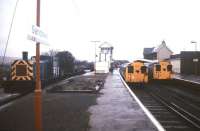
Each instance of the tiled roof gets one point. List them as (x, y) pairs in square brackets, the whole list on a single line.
[(148, 50)]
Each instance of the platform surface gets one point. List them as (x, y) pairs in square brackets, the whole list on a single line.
[(190, 78), (116, 110)]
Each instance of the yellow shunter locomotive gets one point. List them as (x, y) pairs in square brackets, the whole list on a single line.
[(22, 70)]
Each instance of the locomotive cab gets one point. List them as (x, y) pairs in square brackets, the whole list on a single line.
[(162, 70), (136, 72)]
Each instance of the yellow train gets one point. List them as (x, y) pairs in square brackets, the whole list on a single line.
[(162, 70), (143, 71), (136, 72)]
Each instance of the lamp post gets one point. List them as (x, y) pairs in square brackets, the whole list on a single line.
[(194, 42), (195, 60), (95, 54)]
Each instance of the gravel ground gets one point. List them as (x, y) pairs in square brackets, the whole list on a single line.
[(85, 82), (60, 111)]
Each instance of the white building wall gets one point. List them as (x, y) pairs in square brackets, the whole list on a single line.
[(176, 65), (102, 67), (163, 53)]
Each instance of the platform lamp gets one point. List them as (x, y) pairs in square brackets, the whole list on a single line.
[(194, 42)]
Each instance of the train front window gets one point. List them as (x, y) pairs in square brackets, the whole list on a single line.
[(130, 69), (158, 67), (143, 69), (169, 68), (21, 70)]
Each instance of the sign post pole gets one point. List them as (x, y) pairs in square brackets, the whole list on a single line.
[(38, 91)]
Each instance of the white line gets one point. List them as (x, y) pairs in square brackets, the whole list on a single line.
[(5, 105), (147, 112), (187, 80)]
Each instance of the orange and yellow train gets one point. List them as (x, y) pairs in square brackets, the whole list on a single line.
[(162, 70), (141, 71), (136, 72)]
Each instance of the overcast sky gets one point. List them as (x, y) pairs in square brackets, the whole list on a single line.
[(129, 25)]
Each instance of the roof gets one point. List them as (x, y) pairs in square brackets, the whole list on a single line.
[(148, 50), (156, 49), (105, 45), (145, 60)]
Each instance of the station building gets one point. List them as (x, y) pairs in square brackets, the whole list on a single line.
[(188, 62), (160, 52)]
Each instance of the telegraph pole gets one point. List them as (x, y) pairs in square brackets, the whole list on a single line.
[(38, 91)]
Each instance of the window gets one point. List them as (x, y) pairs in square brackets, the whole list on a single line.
[(130, 69), (169, 67), (158, 68), (143, 69)]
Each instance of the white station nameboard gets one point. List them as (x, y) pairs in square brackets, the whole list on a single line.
[(38, 35)]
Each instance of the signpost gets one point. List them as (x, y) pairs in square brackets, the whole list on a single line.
[(37, 35)]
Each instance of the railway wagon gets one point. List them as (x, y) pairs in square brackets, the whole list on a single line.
[(136, 73), (161, 70)]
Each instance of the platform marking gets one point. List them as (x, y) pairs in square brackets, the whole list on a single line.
[(190, 81), (147, 112)]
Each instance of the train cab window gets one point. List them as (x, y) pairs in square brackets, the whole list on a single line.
[(143, 69), (169, 67), (130, 69), (21, 70), (158, 67)]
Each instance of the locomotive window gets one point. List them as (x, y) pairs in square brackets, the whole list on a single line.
[(144, 69), (21, 70), (158, 67), (130, 69), (169, 67)]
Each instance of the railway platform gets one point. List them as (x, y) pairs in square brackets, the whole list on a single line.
[(188, 78), (116, 110), (111, 109)]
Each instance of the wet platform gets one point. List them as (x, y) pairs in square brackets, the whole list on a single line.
[(116, 110), (188, 78), (112, 109)]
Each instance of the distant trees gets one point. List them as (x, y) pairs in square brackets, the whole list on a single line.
[(65, 62)]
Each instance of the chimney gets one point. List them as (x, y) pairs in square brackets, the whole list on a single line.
[(25, 55)]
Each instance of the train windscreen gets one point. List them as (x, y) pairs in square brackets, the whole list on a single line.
[(130, 69), (143, 69), (169, 67), (158, 68)]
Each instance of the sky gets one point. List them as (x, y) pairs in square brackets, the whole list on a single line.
[(128, 25)]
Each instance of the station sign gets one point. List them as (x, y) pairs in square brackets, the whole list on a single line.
[(37, 35), (195, 60)]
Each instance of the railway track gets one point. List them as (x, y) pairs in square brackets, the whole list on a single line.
[(173, 110)]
